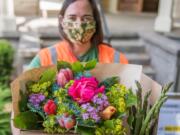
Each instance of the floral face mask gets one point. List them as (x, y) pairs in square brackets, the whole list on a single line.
[(76, 32)]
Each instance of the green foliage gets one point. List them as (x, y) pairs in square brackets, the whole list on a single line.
[(4, 123), (90, 65), (51, 126), (108, 82), (152, 114), (131, 99), (121, 98), (61, 95), (5, 98), (84, 130), (63, 64), (77, 66), (111, 127), (35, 110), (141, 117), (109, 124), (74, 108), (43, 88), (48, 76), (27, 120), (89, 123), (23, 102), (6, 61)]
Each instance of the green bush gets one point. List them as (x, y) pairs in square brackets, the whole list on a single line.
[(6, 61), (6, 66), (5, 98)]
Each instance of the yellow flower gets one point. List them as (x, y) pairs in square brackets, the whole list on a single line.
[(123, 90), (46, 93), (59, 100), (122, 105)]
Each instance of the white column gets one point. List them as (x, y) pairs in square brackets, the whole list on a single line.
[(7, 18), (113, 6), (164, 20), (176, 13)]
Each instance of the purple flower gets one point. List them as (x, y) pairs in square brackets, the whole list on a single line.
[(90, 112), (95, 116), (85, 116), (98, 103), (101, 101), (106, 104), (36, 99), (90, 109), (100, 108), (85, 106)]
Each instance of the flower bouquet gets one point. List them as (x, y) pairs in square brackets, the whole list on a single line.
[(82, 98)]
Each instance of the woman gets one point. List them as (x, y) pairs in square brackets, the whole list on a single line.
[(81, 31)]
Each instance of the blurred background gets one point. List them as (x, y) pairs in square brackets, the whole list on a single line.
[(147, 31)]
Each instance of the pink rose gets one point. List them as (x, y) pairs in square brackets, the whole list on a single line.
[(64, 76), (84, 89)]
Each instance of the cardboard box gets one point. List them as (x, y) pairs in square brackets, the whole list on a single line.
[(128, 75)]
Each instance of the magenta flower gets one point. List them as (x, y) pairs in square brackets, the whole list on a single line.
[(84, 89), (64, 76)]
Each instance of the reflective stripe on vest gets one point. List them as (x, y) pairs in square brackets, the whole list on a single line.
[(116, 57), (53, 54)]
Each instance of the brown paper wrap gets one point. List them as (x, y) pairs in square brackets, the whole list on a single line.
[(128, 75)]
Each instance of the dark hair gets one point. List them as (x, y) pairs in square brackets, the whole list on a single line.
[(98, 35)]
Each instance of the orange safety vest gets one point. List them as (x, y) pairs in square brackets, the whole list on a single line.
[(61, 51)]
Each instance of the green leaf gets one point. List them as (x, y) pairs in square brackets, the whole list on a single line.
[(48, 75), (26, 120), (109, 124), (84, 130), (4, 115), (63, 64), (121, 115), (130, 121), (35, 110), (77, 67), (86, 123), (90, 65), (109, 82), (4, 122), (6, 61), (131, 100), (23, 102), (5, 96)]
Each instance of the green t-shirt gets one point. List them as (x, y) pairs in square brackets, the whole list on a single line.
[(35, 63), (90, 55)]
